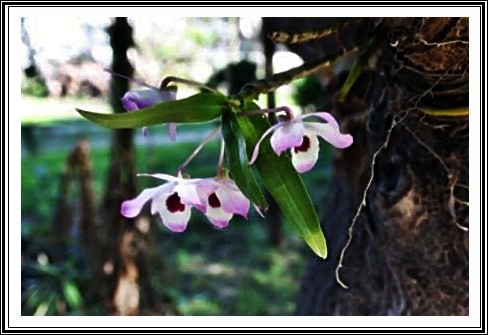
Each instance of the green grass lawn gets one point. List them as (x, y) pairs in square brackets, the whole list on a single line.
[(35, 110), (204, 271)]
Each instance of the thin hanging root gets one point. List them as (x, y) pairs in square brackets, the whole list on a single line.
[(368, 185), (363, 200), (466, 203), (453, 177), (443, 43), (432, 152)]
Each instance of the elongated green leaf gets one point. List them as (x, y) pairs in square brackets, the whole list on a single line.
[(72, 294), (197, 108), (238, 162), (360, 63), (283, 182)]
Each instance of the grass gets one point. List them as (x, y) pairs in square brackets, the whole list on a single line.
[(35, 110), (204, 271)]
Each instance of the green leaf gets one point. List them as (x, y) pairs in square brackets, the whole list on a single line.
[(200, 107), (238, 163), (360, 63), (72, 294), (283, 182)]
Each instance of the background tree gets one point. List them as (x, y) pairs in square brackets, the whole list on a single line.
[(123, 239)]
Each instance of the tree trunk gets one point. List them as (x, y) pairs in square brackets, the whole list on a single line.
[(124, 241), (408, 251)]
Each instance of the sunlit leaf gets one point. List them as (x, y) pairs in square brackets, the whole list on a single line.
[(47, 306), (238, 162), (72, 294), (283, 182), (197, 108)]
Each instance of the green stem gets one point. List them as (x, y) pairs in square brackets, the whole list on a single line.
[(172, 79), (270, 111), (253, 90), (221, 172)]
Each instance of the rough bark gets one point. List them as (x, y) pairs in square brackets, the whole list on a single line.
[(409, 247)]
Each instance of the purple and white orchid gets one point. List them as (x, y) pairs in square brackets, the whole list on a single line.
[(301, 137), (218, 198), (172, 200), (140, 99)]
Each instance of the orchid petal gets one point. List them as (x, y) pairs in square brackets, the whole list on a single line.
[(204, 188), (232, 199), (195, 192), (165, 190), (305, 160), (162, 176), (266, 133), (289, 135), (167, 95), (330, 134), (176, 222), (324, 116), (132, 208), (128, 104), (218, 216), (140, 99)]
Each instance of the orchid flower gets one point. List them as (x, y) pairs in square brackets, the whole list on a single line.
[(222, 199), (172, 200), (140, 99), (218, 198), (301, 137)]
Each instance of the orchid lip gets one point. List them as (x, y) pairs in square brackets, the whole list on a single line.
[(173, 203), (214, 201)]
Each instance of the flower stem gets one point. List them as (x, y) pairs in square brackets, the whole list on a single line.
[(197, 150), (286, 109), (172, 79), (137, 81), (253, 90), (220, 164)]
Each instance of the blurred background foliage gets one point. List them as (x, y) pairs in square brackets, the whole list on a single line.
[(203, 271)]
